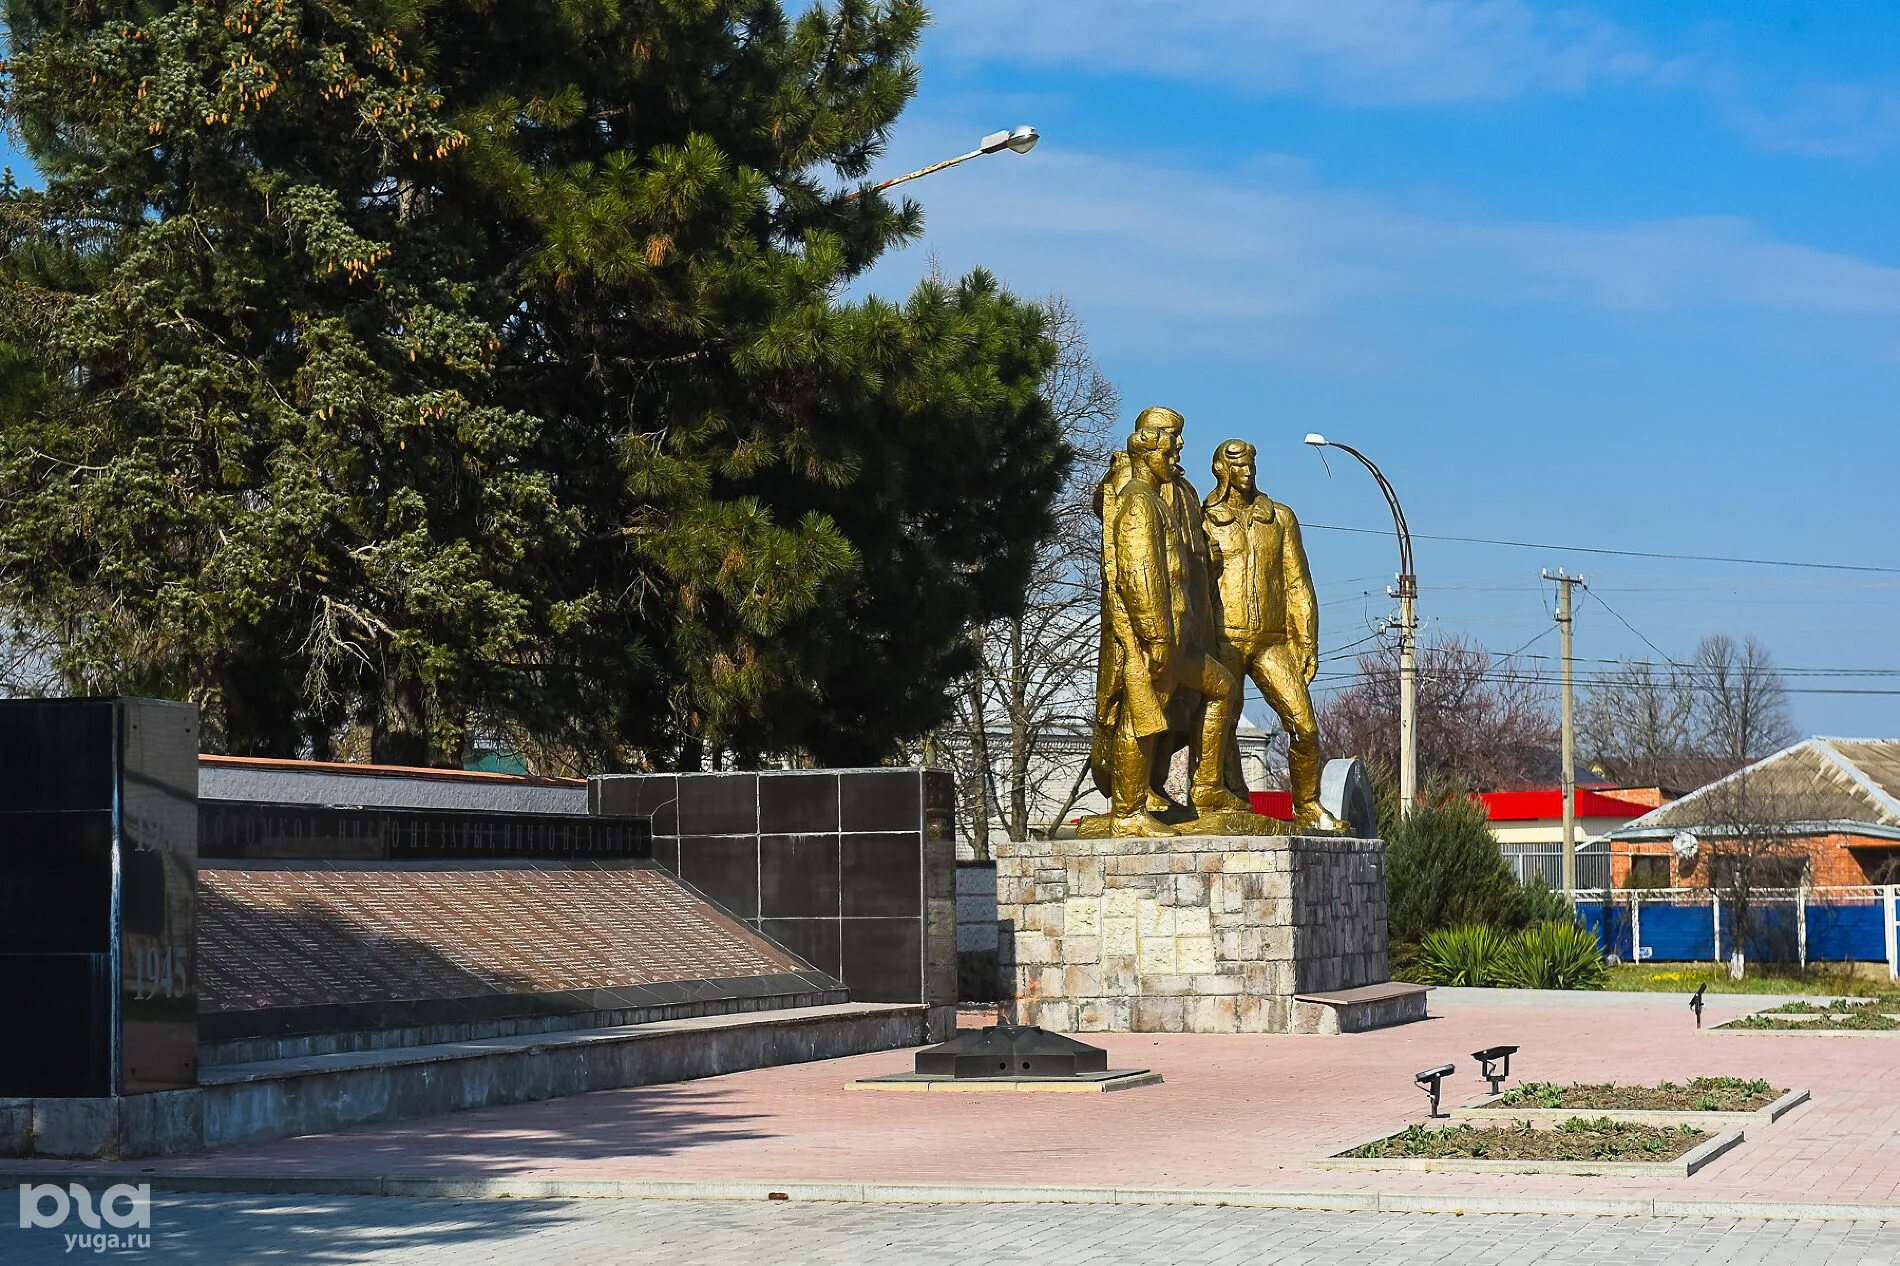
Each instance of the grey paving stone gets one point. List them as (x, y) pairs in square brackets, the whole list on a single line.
[(210, 1228)]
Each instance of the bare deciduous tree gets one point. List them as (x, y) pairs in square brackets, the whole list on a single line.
[(1019, 742), (1742, 702), (26, 663), (1682, 725), (1482, 724), (1751, 836), (1636, 724)]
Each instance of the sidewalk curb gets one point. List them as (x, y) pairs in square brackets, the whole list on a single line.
[(961, 1193)]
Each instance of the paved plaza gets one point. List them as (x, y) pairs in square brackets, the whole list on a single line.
[(213, 1228), (1155, 1174), (1235, 1113)]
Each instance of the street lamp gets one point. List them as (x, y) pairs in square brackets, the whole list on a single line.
[(1019, 140), (1408, 630)]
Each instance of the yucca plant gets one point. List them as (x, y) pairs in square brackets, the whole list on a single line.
[(1554, 955), (1465, 955)]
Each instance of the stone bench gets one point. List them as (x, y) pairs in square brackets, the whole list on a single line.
[(1357, 1010)]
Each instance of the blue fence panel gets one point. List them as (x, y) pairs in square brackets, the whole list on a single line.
[(1592, 913), (1677, 933), (1847, 931), (1838, 931)]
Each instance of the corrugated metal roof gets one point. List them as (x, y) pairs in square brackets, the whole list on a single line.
[(1818, 780)]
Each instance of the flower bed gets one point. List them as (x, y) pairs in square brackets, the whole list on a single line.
[(1847, 1022), (1578, 1139), (1702, 1094), (1836, 1006)]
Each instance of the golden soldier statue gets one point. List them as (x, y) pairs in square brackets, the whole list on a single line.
[(1160, 678), (1268, 613)]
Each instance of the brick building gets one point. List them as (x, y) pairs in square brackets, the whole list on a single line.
[(1836, 800)]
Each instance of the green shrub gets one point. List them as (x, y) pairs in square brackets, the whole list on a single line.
[(1443, 870), (1468, 955), (1554, 955), (1544, 904)]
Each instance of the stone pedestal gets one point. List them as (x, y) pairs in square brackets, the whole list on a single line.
[(1194, 934)]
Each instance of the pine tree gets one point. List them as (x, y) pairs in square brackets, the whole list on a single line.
[(442, 364), (250, 443)]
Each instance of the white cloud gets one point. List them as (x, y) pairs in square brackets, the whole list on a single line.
[(1364, 51), (1171, 261), (1412, 52)]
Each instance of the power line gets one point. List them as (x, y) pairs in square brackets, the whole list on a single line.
[(1617, 553)]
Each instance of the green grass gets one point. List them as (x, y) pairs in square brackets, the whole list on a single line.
[(1684, 977)]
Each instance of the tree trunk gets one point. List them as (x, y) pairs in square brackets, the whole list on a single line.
[(400, 735), (1018, 820), (980, 759)]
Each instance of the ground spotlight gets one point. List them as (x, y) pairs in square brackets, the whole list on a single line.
[(1495, 1064), (1430, 1082)]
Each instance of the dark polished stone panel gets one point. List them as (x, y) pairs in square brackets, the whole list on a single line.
[(814, 940), (725, 869), (58, 1025), (798, 876), (797, 803), (55, 883), (654, 796), (158, 867), (666, 852), (880, 875), (883, 959), (57, 753), (719, 804), (879, 800)]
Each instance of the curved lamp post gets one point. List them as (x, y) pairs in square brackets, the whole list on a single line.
[(1019, 140), (1408, 629)]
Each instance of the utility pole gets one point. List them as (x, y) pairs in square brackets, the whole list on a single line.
[(1565, 584), (1407, 594)]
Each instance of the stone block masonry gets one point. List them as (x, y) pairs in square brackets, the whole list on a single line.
[(1195, 934)]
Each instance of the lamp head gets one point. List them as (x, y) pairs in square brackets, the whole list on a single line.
[(1020, 139), (1316, 439)]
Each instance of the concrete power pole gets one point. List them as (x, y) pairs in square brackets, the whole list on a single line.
[(1564, 623), (1408, 692)]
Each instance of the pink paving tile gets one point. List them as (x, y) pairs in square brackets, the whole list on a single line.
[(1234, 1111)]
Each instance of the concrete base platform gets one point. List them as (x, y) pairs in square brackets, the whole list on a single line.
[(1359, 1010), (1083, 1083), (313, 1094), (121, 1127)]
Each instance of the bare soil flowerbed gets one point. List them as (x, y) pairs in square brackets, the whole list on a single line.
[(1578, 1139), (1703, 1094), (1849, 1022)]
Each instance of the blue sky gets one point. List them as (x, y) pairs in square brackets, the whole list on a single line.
[(1624, 276)]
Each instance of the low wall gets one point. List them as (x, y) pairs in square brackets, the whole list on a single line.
[(1192, 934)]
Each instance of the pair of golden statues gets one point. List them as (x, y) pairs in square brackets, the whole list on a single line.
[(1197, 596)]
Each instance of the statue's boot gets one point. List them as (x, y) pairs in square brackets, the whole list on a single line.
[(1219, 800), (1143, 824), (1314, 820)]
